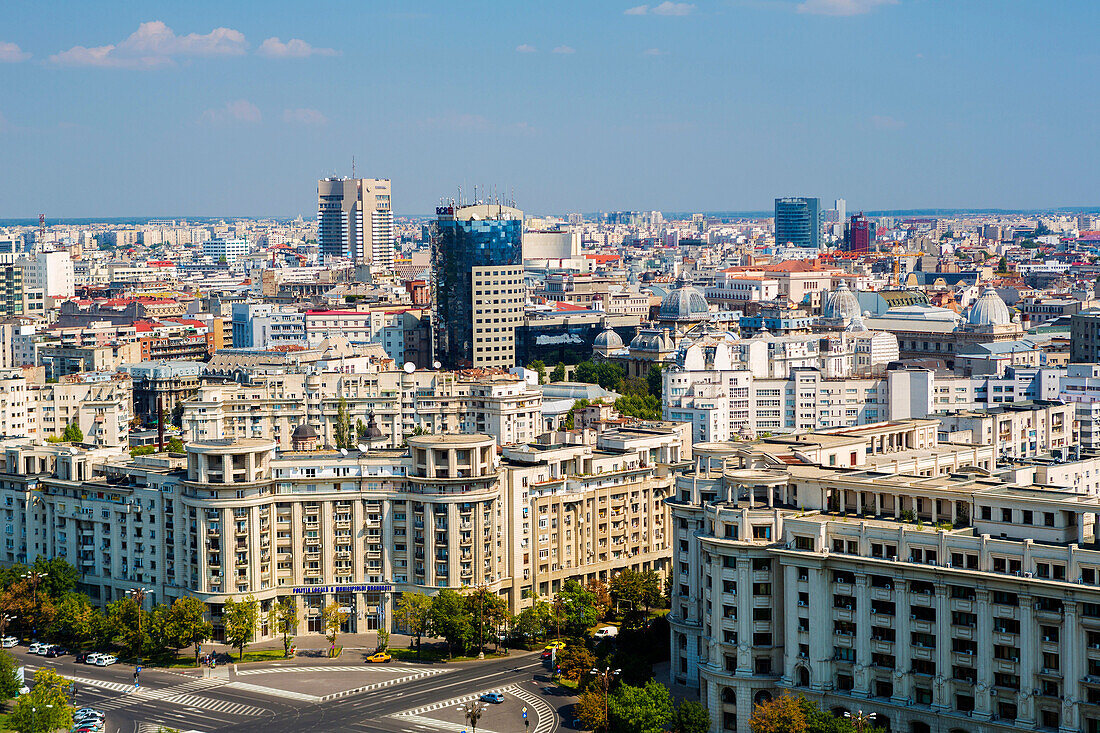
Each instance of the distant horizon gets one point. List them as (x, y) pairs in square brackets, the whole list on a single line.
[(668, 214)]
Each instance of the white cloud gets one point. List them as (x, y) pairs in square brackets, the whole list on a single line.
[(154, 44), (654, 52), (564, 49), (842, 7), (670, 8), (295, 48), (665, 8), (304, 116), (11, 53), (526, 48), (886, 122), (240, 110)]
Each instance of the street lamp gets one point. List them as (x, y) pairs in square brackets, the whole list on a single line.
[(472, 712), (34, 578), (860, 719), (605, 676), (138, 594)]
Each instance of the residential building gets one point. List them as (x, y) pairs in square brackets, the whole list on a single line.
[(798, 222), (229, 251), (355, 221)]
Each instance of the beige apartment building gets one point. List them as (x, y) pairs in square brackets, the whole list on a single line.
[(239, 517), (499, 294), (270, 407), (946, 602)]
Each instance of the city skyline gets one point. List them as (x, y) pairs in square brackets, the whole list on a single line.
[(573, 108)]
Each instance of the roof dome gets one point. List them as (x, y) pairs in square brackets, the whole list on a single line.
[(609, 340), (989, 310), (304, 431), (842, 303), (684, 304)]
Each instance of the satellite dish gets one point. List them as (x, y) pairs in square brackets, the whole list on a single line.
[(343, 451), (436, 365), (409, 367)]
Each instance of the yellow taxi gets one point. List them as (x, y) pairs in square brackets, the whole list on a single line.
[(379, 658), (554, 645)]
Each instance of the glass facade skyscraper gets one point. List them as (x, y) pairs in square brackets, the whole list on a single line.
[(464, 238), (798, 222)]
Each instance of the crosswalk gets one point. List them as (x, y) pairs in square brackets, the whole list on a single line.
[(545, 716), (417, 712), (416, 675), (182, 695), (273, 692), (433, 724)]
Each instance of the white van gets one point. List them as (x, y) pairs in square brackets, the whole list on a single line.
[(606, 632)]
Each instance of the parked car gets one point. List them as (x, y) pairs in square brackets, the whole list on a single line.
[(56, 651), (105, 660), (37, 647), (92, 657), (606, 632), (8, 642), (81, 658), (85, 712), (555, 645), (493, 697), (380, 658)]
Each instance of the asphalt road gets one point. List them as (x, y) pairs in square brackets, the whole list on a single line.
[(426, 703)]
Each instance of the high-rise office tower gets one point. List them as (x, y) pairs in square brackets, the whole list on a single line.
[(478, 291), (354, 220), (859, 233), (798, 222), (841, 207)]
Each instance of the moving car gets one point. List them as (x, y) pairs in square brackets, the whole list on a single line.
[(493, 697), (379, 658), (554, 645), (105, 660), (8, 642)]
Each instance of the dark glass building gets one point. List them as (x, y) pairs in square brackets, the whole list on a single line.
[(798, 222), (859, 233), (464, 238)]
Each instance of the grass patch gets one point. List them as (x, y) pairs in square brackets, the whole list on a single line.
[(567, 684), (435, 655), (262, 655)]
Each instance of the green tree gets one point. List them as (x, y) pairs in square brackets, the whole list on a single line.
[(691, 717), (73, 622), (360, 431), (654, 380), (575, 661), (451, 620), (188, 625), (605, 374), (534, 621), (45, 708), (72, 434), (645, 709), (130, 624), (57, 577), (332, 616), (539, 368), (569, 418), (175, 445), (645, 407), (239, 619), (1002, 265), (558, 374), (590, 709), (487, 611), (284, 616), (576, 608), (9, 686), (342, 429), (414, 614), (627, 589), (383, 640)]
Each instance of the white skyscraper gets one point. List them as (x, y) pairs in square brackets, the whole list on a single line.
[(841, 207), (354, 220)]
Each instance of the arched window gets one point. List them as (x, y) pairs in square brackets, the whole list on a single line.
[(803, 677), (761, 697), (729, 696)]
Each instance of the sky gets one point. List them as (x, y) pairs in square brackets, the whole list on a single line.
[(235, 109)]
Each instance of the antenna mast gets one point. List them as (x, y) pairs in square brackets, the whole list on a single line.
[(353, 166)]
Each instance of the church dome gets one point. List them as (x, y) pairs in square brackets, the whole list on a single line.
[(684, 304), (842, 303), (608, 340), (304, 431), (989, 310)]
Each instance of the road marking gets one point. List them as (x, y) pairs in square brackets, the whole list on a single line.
[(431, 724), (545, 713), (387, 683), (177, 695), (273, 692), (416, 712), (323, 669)]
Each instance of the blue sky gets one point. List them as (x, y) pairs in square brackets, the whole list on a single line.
[(170, 108)]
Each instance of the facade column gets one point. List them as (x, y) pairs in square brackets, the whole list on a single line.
[(790, 624), (940, 699), (1025, 714), (902, 643), (820, 639), (863, 636), (744, 618), (983, 703), (1072, 644)]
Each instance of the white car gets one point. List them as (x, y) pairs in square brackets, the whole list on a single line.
[(8, 642), (38, 648), (105, 660), (93, 658)]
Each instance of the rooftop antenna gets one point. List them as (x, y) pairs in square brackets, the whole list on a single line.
[(353, 166), (475, 194)]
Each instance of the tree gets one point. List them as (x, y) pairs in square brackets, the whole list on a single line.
[(487, 611), (539, 368), (285, 617), (575, 661), (558, 374), (239, 620), (451, 620), (600, 595), (383, 640), (332, 617), (654, 380), (175, 445), (33, 609), (414, 613), (72, 434), (645, 709), (74, 620), (576, 608), (9, 686), (652, 593), (360, 431), (187, 625), (131, 628), (784, 714), (605, 374), (534, 621), (645, 407), (57, 577), (590, 710), (1002, 265), (691, 717), (627, 589), (342, 430), (45, 708)]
